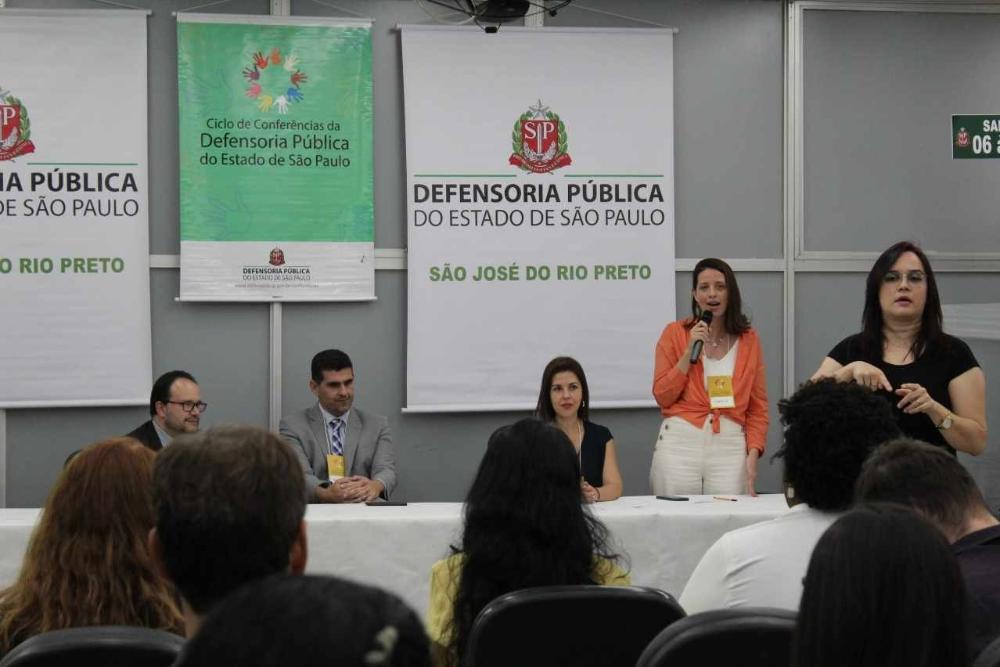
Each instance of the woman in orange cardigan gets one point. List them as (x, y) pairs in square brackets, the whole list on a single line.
[(715, 409)]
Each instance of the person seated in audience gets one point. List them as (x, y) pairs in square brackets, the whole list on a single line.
[(230, 507), (175, 408), (830, 428), (931, 481), (524, 526), (882, 590), (289, 620), (87, 562), (564, 400)]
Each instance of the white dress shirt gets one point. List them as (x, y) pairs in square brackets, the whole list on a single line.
[(761, 565)]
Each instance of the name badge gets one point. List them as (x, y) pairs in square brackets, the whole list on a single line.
[(335, 466), (720, 391)]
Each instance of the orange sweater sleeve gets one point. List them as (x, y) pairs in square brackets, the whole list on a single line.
[(757, 410), (668, 382)]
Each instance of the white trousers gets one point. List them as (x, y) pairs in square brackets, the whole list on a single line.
[(691, 461)]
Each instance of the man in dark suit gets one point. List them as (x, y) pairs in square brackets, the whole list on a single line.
[(175, 407), (345, 452)]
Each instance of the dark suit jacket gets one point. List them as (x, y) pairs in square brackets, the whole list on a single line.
[(367, 452), (147, 435)]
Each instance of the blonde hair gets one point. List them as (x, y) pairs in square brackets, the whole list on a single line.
[(88, 561)]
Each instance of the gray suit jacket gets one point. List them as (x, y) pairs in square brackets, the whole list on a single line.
[(367, 452)]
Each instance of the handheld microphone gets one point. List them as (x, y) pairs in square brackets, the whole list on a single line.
[(706, 317)]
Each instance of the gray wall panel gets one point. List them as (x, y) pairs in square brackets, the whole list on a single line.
[(727, 118), (39, 440), (827, 308), (223, 345), (877, 122), (986, 468)]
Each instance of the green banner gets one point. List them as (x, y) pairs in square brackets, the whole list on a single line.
[(975, 137), (275, 132)]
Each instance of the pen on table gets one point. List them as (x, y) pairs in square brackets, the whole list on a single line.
[(733, 500)]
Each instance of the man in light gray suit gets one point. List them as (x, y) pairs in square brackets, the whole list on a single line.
[(346, 453)]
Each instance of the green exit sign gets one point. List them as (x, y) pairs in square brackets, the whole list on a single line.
[(975, 137)]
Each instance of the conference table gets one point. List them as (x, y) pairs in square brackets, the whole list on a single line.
[(395, 546)]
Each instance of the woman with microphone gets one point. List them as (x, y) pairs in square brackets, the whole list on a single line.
[(933, 381), (710, 384)]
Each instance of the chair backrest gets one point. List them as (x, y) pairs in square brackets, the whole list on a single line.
[(989, 656), (106, 645), (749, 637), (569, 625)]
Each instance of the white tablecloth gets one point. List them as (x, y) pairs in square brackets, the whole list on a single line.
[(394, 547)]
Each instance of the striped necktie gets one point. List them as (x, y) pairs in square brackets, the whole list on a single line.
[(337, 436)]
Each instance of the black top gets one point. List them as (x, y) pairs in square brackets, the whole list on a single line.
[(595, 441), (932, 370), (978, 556), (147, 435)]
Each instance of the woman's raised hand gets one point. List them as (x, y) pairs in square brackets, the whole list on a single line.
[(864, 374)]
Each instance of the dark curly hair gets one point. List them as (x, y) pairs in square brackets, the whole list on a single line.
[(830, 428), (524, 523)]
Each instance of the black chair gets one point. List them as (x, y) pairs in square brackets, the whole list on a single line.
[(990, 656), (106, 645), (569, 625), (749, 637)]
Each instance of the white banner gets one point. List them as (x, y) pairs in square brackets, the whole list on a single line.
[(540, 193), (74, 230)]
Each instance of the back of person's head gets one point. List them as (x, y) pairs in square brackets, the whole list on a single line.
[(161, 388), (527, 490), (229, 508), (88, 562), (328, 360), (524, 523), (301, 620), (882, 590), (830, 428), (926, 478)]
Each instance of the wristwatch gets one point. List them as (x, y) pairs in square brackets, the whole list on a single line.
[(946, 422)]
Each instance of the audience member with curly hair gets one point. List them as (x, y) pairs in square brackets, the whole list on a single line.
[(88, 562), (830, 428), (304, 620), (882, 590), (524, 526)]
